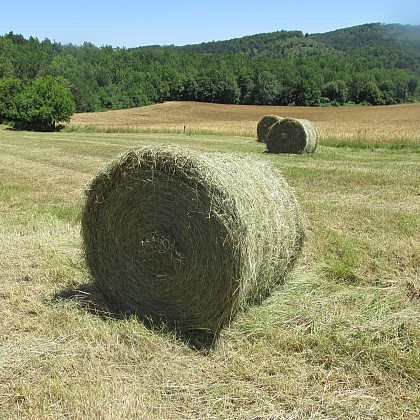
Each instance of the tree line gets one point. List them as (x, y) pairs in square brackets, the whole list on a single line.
[(306, 73)]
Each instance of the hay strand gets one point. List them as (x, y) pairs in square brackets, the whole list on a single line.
[(187, 237), (264, 125), (291, 135)]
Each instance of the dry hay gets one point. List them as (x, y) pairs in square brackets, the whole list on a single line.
[(189, 238), (264, 125), (291, 135)]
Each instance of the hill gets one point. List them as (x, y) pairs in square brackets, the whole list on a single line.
[(369, 64), (288, 44), (370, 35), (279, 44)]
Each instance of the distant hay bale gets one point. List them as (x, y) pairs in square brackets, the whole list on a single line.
[(292, 135), (264, 125), (187, 237)]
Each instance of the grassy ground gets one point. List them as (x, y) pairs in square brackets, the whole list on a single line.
[(341, 339)]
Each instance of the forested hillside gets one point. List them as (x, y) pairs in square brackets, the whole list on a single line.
[(370, 35), (373, 64), (275, 44)]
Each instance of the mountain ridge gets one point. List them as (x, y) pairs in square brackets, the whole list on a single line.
[(342, 39)]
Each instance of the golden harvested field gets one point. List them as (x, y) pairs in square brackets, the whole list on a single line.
[(379, 124)]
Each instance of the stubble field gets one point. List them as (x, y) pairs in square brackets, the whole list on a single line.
[(340, 339)]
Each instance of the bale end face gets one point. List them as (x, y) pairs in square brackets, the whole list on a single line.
[(264, 125)]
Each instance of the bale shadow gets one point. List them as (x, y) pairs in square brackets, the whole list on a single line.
[(93, 301)]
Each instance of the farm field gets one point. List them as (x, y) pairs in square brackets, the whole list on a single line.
[(366, 124), (340, 339)]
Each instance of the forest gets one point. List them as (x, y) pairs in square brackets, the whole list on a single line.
[(372, 64)]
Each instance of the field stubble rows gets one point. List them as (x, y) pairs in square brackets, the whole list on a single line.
[(340, 339)]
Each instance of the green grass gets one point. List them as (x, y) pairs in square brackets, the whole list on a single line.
[(340, 339), (396, 144)]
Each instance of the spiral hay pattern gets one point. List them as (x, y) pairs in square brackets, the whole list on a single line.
[(264, 125), (187, 237), (292, 135)]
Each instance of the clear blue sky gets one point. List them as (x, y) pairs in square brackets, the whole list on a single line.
[(131, 23)]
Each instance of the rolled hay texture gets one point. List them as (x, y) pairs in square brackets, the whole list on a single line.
[(187, 237), (264, 125), (291, 135)]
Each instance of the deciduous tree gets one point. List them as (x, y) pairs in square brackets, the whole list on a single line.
[(44, 103)]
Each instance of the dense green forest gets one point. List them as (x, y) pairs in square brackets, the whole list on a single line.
[(368, 64)]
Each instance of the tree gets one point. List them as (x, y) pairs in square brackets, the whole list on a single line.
[(306, 91), (412, 86), (266, 88), (44, 103), (82, 81), (363, 89), (336, 91), (9, 89), (246, 86), (6, 66), (370, 93), (228, 90)]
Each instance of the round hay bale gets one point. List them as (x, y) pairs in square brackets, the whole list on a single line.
[(264, 125), (292, 135), (189, 238)]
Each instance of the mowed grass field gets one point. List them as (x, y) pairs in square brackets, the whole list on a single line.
[(339, 340)]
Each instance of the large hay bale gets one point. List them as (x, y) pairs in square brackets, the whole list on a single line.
[(264, 125), (187, 237), (291, 135)]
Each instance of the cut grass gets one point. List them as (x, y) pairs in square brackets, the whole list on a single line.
[(364, 143), (340, 339)]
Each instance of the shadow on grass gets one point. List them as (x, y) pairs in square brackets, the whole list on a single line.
[(42, 128), (94, 302)]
